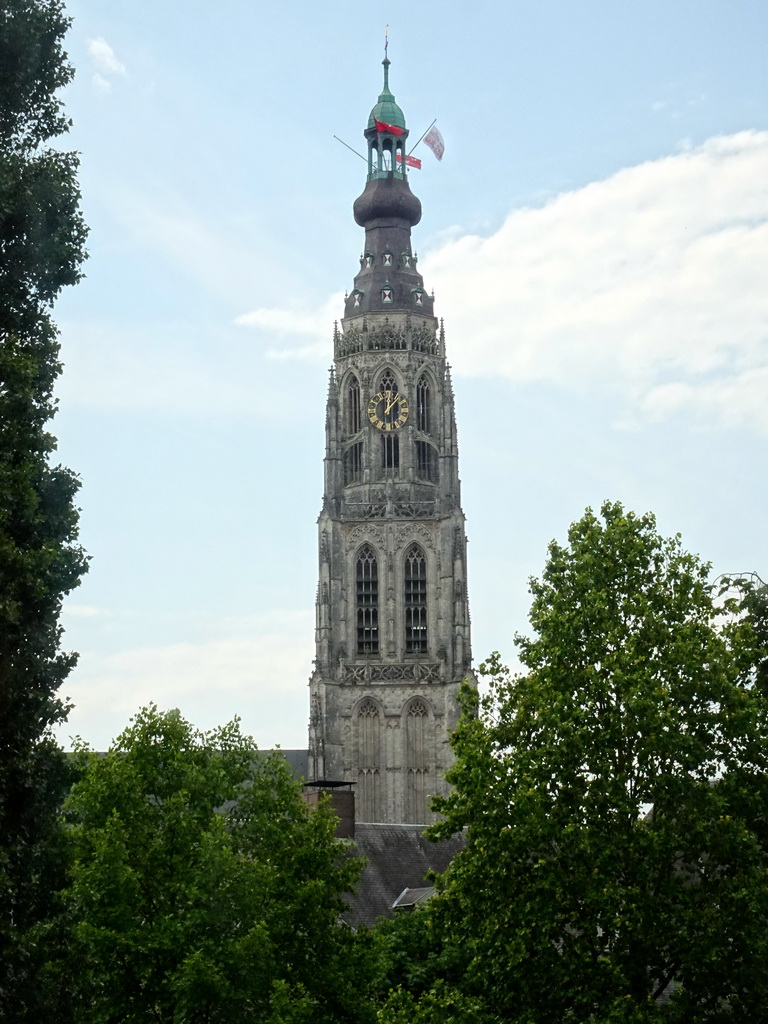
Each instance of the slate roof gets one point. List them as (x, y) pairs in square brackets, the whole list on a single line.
[(399, 857), (299, 762)]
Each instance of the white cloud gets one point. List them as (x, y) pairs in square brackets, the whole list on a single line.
[(104, 59), (82, 611), (650, 284), (259, 672), (293, 323), (100, 83)]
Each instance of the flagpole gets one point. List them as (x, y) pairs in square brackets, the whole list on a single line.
[(360, 154), (420, 137)]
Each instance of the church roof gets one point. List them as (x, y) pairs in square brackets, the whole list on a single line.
[(398, 857)]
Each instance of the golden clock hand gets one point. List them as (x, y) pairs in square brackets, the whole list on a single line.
[(393, 402)]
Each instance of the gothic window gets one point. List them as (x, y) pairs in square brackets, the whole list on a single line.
[(390, 451), (387, 259), (417, 761), (386, 294), (388, 382), (367, 588), (369, 761), (369, 735), (426, 461), (354, 420), (353, 463), (415, 601), (423, 404)]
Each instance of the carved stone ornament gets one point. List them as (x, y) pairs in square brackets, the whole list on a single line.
[(362, 533), (408, 534)]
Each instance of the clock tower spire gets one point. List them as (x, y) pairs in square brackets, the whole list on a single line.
[(392, 632)]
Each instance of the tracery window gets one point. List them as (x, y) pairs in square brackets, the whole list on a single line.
[(353, 463), (417, 761), (354, 418), (415, 601), (367, 593), (423, 403), (426, 461), (369, 763), (369, 735), (388, 382)]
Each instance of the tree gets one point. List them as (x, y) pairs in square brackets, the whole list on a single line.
[(615, 797), (41, 249), (203, 888)]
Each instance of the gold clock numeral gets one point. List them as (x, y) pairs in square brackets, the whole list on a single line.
[(388, 410)]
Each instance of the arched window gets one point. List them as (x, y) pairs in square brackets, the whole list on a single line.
[(388, 382), (369, 735), (423, 404), (353, 463), (426, 461), (354, 420), (367, 588), (415, 601), (417, 762), (369, 761)]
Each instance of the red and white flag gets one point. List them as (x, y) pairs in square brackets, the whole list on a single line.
[(435, 141), (410, 161), (382, 126)]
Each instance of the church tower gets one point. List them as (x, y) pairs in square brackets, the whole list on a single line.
[(392, 630)]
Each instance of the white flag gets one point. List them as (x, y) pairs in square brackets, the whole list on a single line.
[(434, 140)]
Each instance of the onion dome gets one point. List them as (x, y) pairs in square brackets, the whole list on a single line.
[(387, 199)]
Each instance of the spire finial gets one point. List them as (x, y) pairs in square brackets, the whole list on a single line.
[(386, 61)]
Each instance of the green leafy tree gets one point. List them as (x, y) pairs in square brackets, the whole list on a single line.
[(203, 888), (41, 249), (614, 796), (418, 974)]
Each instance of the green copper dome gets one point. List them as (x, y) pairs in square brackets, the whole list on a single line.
[(386, 109)]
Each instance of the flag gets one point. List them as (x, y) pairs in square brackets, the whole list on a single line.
[(435, 141), (411, 161), (382, 126)]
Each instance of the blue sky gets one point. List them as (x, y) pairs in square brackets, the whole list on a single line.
[(597, 239)]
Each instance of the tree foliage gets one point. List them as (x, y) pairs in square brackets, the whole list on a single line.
[(615, 798), (41, 249), (203, 888)]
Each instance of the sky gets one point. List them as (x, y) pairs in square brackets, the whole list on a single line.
[(597, 240)]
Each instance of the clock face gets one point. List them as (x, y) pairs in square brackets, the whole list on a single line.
[(388, 410)]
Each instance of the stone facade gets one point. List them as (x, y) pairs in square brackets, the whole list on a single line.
[(392, 635)]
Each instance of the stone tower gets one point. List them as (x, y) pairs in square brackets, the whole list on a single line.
[(392, 629)]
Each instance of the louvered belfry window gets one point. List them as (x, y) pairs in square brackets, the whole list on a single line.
[(415, 601), (367, 586), (422, 404), (354, 419)]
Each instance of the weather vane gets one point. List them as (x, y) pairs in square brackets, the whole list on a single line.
[(386, 40)]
